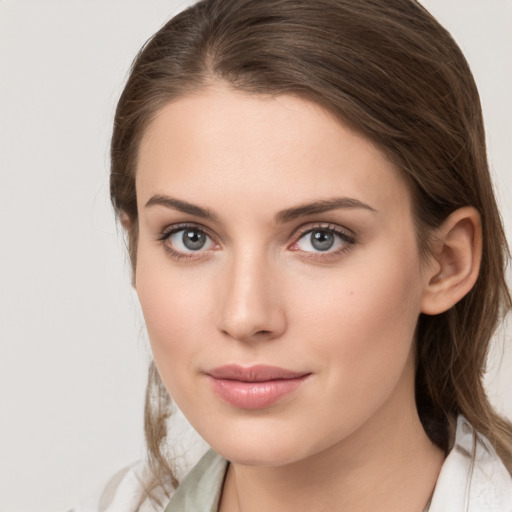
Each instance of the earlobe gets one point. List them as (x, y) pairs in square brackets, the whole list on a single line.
[(457, 256)]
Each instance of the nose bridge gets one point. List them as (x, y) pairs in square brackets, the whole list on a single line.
[(250, 307)]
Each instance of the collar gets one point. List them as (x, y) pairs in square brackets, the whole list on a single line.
[(200, 490), (473, 477)]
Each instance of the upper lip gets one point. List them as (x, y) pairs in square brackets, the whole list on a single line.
[(256, 373)]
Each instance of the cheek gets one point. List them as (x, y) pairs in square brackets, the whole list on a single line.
[(361, 320), (174, 310)]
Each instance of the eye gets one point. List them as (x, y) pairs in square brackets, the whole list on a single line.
[(320, 239), (187, 240)]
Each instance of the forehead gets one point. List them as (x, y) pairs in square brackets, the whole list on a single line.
[(221, 141)]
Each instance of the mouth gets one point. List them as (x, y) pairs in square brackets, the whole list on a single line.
[(254, 387)]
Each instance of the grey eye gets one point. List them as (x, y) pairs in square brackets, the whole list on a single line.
[(190, 240), (193, 239), (322, 240)]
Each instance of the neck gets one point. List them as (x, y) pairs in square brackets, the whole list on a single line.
[(388, 464)]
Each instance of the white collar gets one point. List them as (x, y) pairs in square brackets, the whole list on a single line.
[(484, 485)]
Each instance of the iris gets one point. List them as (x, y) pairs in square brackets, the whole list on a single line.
[(322, 240)]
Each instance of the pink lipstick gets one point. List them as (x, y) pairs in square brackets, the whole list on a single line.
[(254, 387)]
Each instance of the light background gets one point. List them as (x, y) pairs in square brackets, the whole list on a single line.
[(73, 352)]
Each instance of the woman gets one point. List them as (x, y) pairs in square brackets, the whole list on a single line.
[(319, 258)]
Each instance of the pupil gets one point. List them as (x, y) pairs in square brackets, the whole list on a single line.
[(322, 240), (193, 240)]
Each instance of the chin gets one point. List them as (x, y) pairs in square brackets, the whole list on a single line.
[(256, 456), (262, 447)]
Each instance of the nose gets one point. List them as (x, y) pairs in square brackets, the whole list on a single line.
[(250, 306)]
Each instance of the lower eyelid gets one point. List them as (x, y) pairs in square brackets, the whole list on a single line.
[(184, 256), (347, 244)]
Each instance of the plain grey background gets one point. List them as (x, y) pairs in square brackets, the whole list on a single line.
[(73, 351)]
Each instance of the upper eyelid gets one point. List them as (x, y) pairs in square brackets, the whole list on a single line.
[(174, 228), (326, 226)]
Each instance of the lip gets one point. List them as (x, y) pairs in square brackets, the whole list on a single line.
[(254, 387)]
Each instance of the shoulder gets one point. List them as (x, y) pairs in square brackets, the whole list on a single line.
[(473, 477), (125, 492)]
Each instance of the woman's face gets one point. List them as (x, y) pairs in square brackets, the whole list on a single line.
[(278, 273)]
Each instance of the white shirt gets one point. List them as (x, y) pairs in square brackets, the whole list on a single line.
[(463, 485)]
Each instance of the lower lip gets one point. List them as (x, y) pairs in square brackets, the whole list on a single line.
[(254, 395)]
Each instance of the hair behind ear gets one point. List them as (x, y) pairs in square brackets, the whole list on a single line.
[(462, 307)]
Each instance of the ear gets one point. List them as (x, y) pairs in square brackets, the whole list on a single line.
[(456, 261)]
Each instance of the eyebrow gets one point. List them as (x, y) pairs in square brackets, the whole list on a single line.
[(281, 217), (321, 206), (182, 206)]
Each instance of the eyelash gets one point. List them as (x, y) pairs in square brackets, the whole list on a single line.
[(166, 234), (348, 241)]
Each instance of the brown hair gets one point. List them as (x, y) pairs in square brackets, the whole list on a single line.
[(388, 69)]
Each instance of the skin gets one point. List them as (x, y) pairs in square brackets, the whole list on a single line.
[(258, 292)]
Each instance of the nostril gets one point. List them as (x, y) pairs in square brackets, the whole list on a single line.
[(262, 334)]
